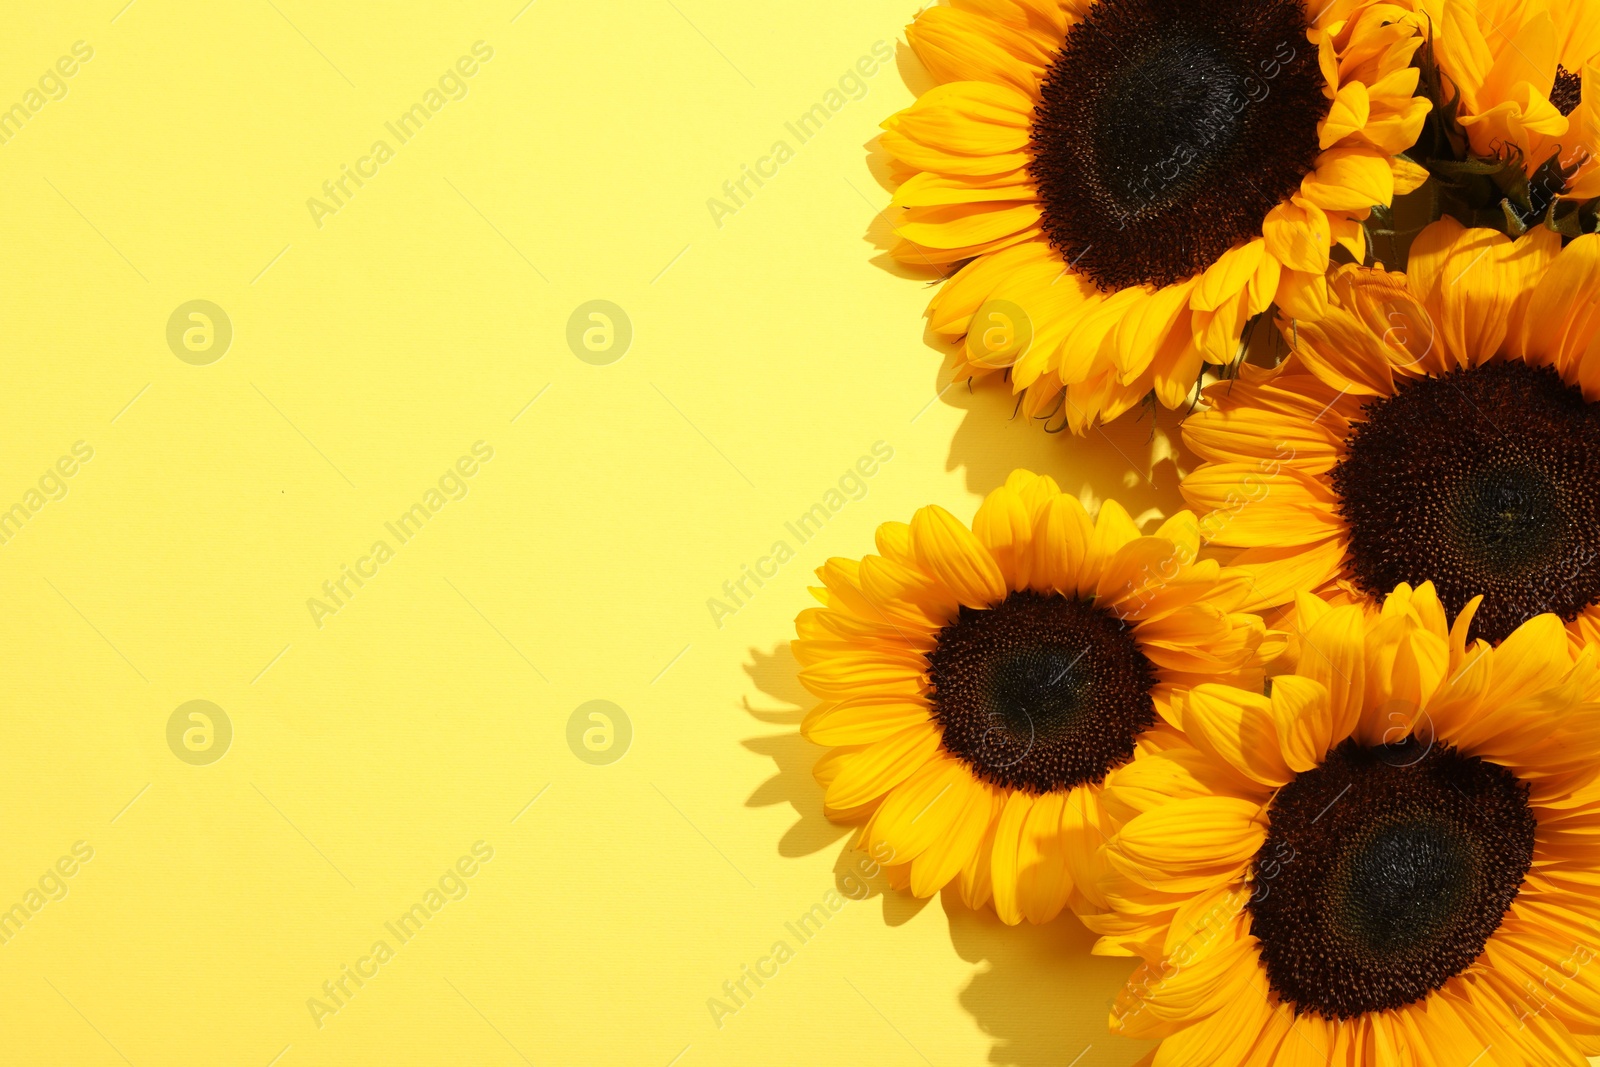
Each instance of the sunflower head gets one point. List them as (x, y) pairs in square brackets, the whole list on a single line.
[(978, 684), (1126, 183), (1440, 425), (1521, 79), (1149, 155), (1382, 859)]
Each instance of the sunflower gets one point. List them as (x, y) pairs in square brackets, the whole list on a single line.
[(1128, 182), (977, 684), (1440, 425), (1524, 77), (1389, 860)]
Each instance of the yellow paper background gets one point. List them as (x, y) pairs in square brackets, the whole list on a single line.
[(369, 352)]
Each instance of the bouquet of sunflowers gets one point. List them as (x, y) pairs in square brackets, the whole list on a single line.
[(1321, 756)]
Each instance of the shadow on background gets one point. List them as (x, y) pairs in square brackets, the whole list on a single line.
[(879, 233), (880, 230), (1138, 460), (1037, 993), (774, 675)]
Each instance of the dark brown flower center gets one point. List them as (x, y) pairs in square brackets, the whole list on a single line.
[(1384, 873), (1483, 481), (1040, 692), (1568, 91), (1167, 130)]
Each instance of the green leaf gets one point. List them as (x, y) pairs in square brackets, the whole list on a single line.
[(1514, 225)]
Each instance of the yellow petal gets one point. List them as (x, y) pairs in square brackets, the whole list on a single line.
[(1208, 956), (1043, 881), (923, 809), (949, 551), (1036, 490), (1085, 827), (858, 672), (1190, 844), (872, 772), (1080, 357), (1274, 575), (977, 884), (902, 594), (947, 226), (971, 128), (1425, 264), (1332, 653), (1264, 509), (1299, 707), (861, 722), (1530, 58), (1148, 782), (1297, 235), (1007, 838), (1226, 1036), (1183, 530), (967, 118), (1349, 179), (1348, 114), (1134, 572), (1561, 318), (1238, 727), (1146, 328), (1464, 50), (1228, 275), (1405, 666), (1408, 176), (959, 46), (929, 189), (1060, 545), (1481, 286), (951, 310), (1004, 525), (957, 842), (1113, 528), (1252, 430)]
